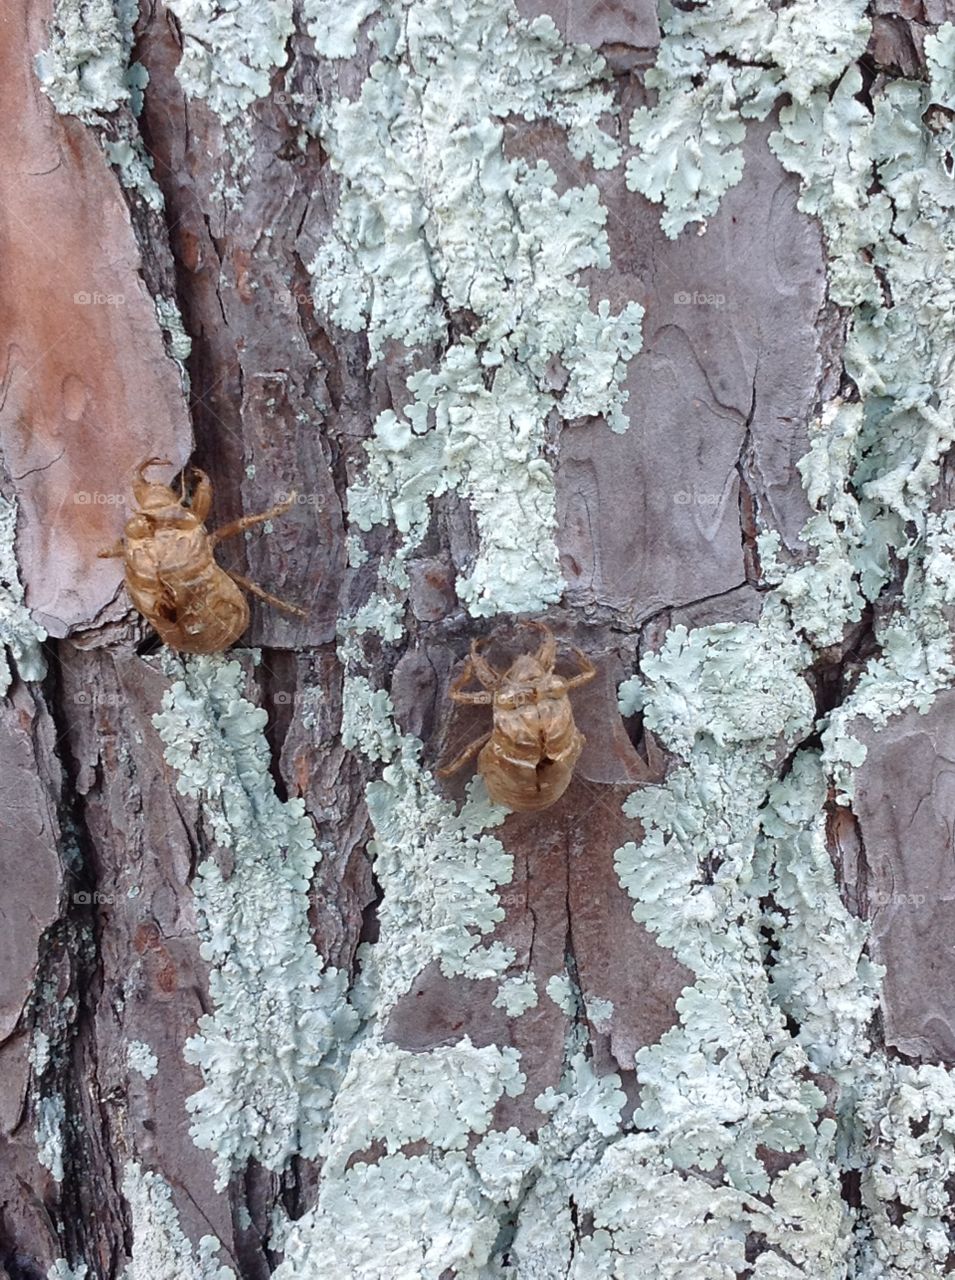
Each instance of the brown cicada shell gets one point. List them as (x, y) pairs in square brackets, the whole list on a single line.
[(171, 572), (527, 758)]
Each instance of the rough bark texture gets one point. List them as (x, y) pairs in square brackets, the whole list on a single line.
[(636, 1037)]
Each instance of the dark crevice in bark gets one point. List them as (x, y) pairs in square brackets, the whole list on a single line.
[(277, 675), (89, 1192), (748, 502), (370, 925), (256, 1190)]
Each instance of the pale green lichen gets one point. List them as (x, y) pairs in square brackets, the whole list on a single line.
[(879, 181), (516, 995), (718, 64), (940, 56), (140, 1058), (446, 1209), (503, 1161), (50, 1123), (917, 657), (429, 1209), (437, 869), (599, 1011), (334, 24), (230, 51), (906, 1186), (381, 613), (653, 1221), (435, 220), (584, 1103), (820, 975), (438, 873), (86, 72), (829, 591), (21, 639), (179, 342), (61, 1270), (440, 1097), (734, 872), (730, 1082), (160, 1249), (272, 1052), (40, 1052), (478, 431), (561, 991)]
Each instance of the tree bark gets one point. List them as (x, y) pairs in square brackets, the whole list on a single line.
[(637, 326)]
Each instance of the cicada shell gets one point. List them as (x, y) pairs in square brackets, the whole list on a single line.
[(172, 576), (528, 755)]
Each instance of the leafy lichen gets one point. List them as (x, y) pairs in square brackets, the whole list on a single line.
[(87, 72), (160, 1249), (734, 871), (20, 637), (61, 1270), (230, 50), (140, 1058), (718, 64), (436, 221), (440, 1097), (50, 1123), (271, 992), (437, 868)]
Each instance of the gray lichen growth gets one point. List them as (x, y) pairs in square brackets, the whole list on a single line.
[(517, 994), (440, 1097), (334, 24), (179, 342), (436, 222), (906, 1189), (718, 65), (437, 869), (444, 1209), (61, 1270), (271, 1053), (230, 51), (940, 55), (734, 870), (160, 1249), (438, 873), (140, 1058), (21, 638), (50, 1122), (86, 72)]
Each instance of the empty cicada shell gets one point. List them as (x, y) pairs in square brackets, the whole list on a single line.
[(171, 572), (527, 757)]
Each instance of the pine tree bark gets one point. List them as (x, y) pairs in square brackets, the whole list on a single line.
[(108, 835)]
